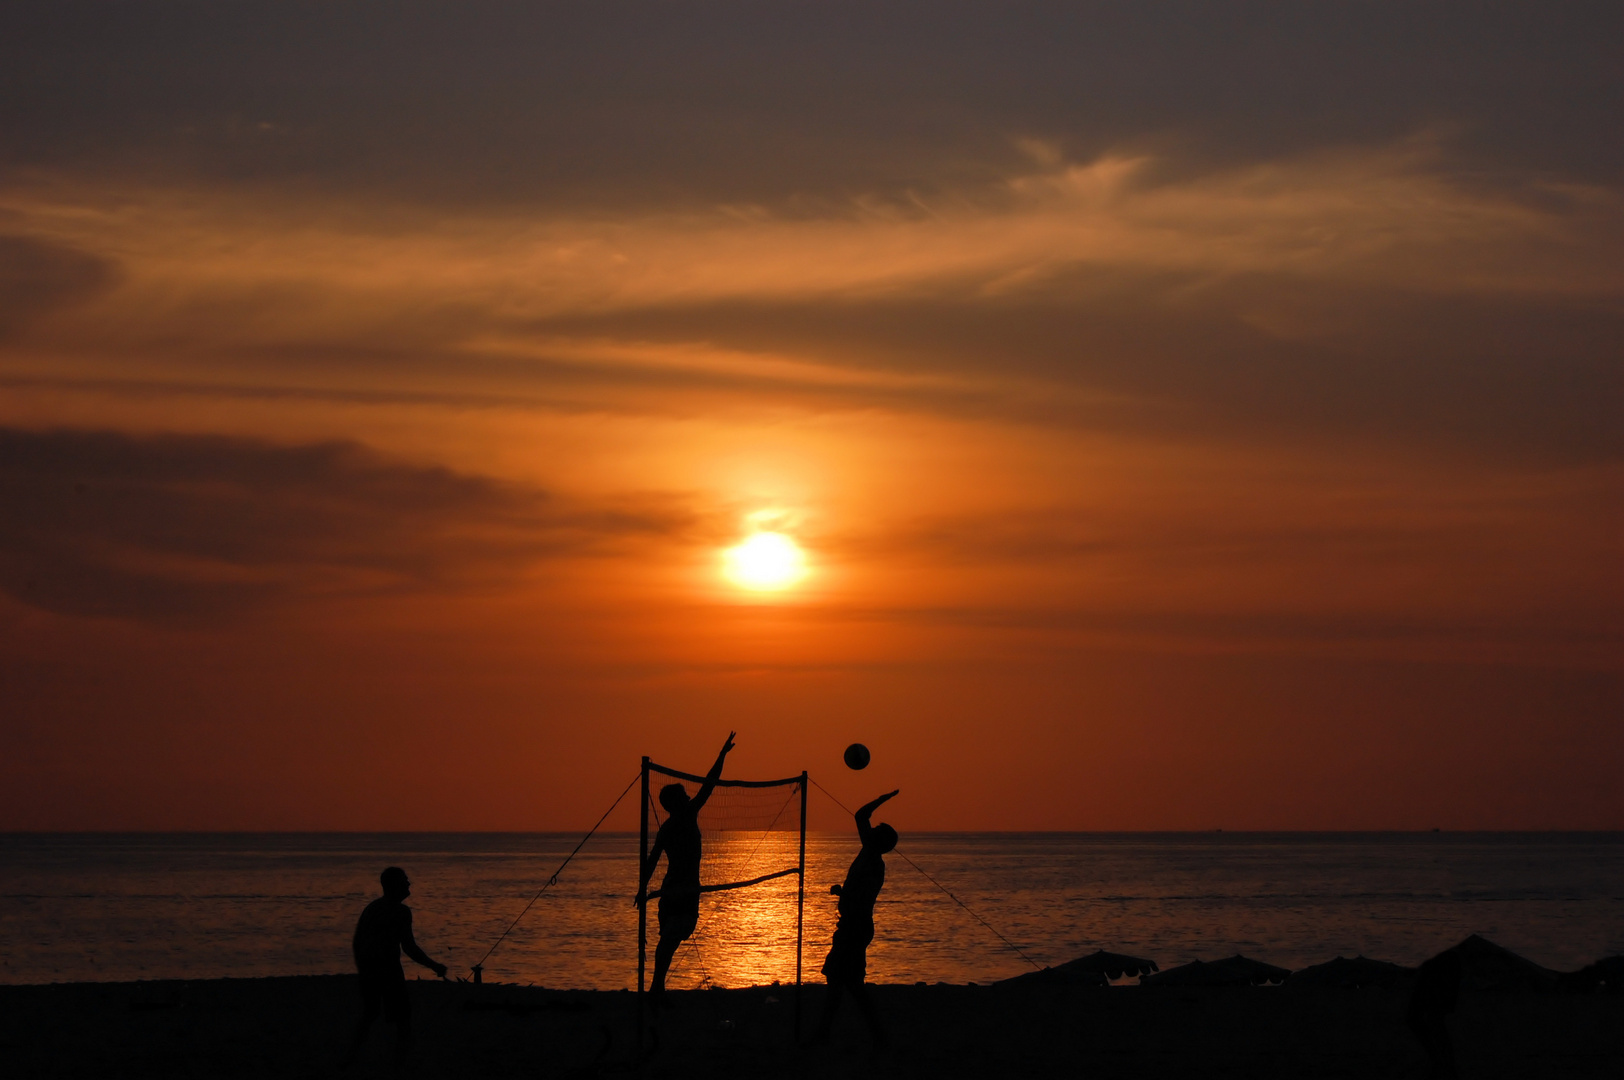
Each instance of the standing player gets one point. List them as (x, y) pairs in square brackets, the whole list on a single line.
[(679, 840), (384, 929), (847, 965)]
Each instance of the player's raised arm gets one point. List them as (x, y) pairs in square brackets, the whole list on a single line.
[(864, 829), (714, 775)]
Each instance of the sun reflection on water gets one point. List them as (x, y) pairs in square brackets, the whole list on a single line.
[(746, 937)]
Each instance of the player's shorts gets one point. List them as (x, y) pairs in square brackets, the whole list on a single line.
[(847, 963), (679, 914), (386, 992)]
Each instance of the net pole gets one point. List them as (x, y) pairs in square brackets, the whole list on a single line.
[(642, 908), (800, 910)]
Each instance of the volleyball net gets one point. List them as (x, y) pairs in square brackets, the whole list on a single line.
[(751, 872)]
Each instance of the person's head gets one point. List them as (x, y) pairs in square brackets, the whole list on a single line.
[(882, 838), (673, 797), (396, 886)]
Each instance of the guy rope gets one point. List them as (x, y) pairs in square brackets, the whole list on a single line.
[(944, 888), (479, 968)]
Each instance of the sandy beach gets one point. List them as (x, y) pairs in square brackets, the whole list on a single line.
[(298, 1027)]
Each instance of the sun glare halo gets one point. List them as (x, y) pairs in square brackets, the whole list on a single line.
[(766, 562)]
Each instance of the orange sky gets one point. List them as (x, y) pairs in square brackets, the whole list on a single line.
[(1227, 438)]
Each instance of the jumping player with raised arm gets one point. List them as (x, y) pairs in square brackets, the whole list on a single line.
[(679, 841), (847, 965)]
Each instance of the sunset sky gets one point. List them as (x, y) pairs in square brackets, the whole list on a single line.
[(1189, 415)]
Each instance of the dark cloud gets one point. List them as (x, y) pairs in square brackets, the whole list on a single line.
[(740, 101), (1531, 378), (1527, 379), (185, 528), (37, 276)]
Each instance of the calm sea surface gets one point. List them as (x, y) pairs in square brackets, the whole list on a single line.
[(116, 907)]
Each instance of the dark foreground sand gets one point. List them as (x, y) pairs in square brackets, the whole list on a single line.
[(298, 1027)]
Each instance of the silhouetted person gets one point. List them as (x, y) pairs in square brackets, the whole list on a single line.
[(1437, 989), (679, 841), (384, 929), (847, 965)]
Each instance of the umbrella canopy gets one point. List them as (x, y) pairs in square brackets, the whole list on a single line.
[(1603, 977), (1111, 965), (1235, 971), (1487, 966), (1095, 969), (1352, 974)]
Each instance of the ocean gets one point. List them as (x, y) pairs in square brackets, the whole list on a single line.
[(103, 907)]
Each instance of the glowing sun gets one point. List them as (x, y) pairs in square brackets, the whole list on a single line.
[(767, 561)]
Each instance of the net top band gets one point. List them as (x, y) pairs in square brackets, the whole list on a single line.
[(692, 779)]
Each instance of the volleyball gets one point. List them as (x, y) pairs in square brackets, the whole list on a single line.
[(856, 756)]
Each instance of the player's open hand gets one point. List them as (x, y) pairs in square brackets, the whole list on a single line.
[(729, 744)]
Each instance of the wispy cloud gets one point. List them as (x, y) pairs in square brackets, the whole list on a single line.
[(1391, 215), (37, 276), (1361, 287), (182, 528)]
